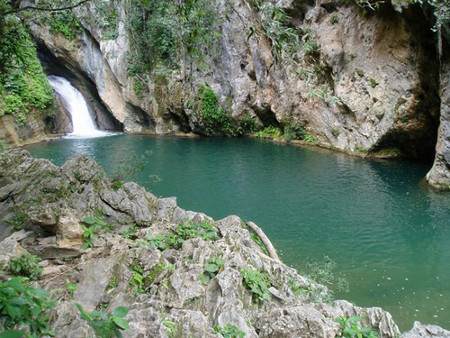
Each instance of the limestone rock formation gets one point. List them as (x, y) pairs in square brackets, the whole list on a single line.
[(439, 175)]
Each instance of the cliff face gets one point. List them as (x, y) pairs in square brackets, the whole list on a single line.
[(358, 83)]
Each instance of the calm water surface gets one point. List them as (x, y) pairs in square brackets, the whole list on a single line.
[(387, 232)]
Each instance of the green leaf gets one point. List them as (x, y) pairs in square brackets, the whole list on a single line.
[(120, 322), (89, 220), (211, 267), (120, 311), (12, 334)]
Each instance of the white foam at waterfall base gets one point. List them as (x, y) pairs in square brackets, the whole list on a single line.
[(73, 100)]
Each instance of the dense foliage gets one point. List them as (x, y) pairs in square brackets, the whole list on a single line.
[(24, 308), (23, 85), (168, 34)]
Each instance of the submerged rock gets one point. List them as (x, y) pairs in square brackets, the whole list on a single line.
[(179, 272)]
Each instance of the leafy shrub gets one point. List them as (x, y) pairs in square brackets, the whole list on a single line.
[(65, 23), (269, 132), (105, 325), (71, 287), (229, 331), (24, 307), (248, 124), (23, 84), (91, 228), (258, 283), (137, 280), (334, 18), (186, 230), (25, 265), (350, 328), (214, 118), (18, 221), (211, 269), (130, 233)]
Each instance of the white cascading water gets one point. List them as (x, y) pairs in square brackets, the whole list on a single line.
[(83, 125)]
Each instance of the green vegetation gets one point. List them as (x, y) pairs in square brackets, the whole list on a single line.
[(91, 228), (129, 166), (323, 273), (65, 23), (131, 232), (441, 8), (137, 280), (350, 328), (18, 221), (213, 117), (248, 124), (24, 309), (334, 18), (106, 18), (141, 280), (269, 132), (169, 36), (171, 328), (211, 269), (229, 331), (71, 288), (25, 265), (3, 146), (105, 325), (186, 230), (23, 85), (258, 283)]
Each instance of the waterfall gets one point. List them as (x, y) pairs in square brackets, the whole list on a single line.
[(73, 100)]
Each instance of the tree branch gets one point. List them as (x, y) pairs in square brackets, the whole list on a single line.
[(43, 9)]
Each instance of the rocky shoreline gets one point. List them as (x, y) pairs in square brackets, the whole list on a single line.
[(180, 273)]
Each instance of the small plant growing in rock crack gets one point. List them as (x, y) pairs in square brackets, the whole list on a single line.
[(350, 328), (229, 331), (137, 280), (334, 18), (211, 269), (24, 309), (19, 221), (171, 328), (269, 132), (187, 229), (130, 233), (25, 265), (258, 283), (91, 228), (71, 287), (105, 325), (3, 146)]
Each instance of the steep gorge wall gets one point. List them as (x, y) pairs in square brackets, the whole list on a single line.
[(383, 67)]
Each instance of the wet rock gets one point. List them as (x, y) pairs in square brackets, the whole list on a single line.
[(426, 331)]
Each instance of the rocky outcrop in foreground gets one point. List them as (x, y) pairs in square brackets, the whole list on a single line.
[(180, 272)]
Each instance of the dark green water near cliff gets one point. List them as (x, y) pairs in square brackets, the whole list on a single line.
[(387, 232)]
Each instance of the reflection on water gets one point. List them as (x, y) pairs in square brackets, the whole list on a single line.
[(389, 234)]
